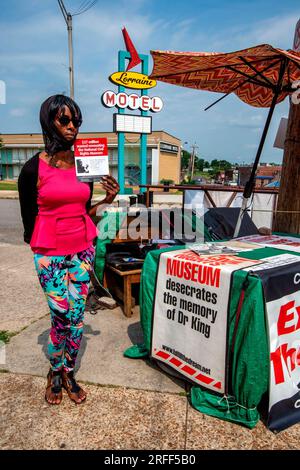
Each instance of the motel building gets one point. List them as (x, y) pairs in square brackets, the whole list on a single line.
[(163, 155)]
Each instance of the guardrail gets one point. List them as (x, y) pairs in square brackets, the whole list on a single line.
[(263, 205)]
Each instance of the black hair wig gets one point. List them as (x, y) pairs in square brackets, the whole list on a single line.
[(53, 140)]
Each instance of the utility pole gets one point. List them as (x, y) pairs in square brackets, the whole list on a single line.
[(192, 162), (288, 216), (71, 64), (68, 19)]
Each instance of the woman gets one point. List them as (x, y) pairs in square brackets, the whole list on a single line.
[(56, 209)]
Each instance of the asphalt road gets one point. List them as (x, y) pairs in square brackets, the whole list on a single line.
[(11, 228)]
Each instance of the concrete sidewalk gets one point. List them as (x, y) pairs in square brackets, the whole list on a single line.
[(132, 404), (6, 194)]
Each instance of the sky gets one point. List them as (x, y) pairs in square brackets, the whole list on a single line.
[(34, 64)]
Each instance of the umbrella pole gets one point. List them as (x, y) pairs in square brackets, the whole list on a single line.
[(248, 190)]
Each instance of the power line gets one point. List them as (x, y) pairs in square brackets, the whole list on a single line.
[(63, 9), (85, 7)]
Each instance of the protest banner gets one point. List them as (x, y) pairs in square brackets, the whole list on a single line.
[(282, 297), (190, 314)]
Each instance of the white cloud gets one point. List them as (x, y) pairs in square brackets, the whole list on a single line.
[(277, 31), (252, 122), (17, 112)]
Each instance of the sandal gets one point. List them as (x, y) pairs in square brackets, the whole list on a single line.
[(75, 392), (54, 383)]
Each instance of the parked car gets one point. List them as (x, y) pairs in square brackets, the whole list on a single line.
[(198, 180)]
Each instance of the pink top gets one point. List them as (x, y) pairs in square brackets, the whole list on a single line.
[(62, 226)]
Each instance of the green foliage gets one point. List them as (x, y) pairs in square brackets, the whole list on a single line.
[(213, 173), (199, 163), (185, 159), (8, 186), (166, 181), (220, 165), (214, 163), (5, 336), (224, 165)]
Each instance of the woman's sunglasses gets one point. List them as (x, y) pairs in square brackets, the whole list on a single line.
[(65, 121)]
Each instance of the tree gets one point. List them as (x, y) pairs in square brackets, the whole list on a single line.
[(214, 163), (224, 165), (185, 159), (199, 163), (221, 164)]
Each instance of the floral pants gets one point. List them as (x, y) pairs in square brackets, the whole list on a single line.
[(65, 281)]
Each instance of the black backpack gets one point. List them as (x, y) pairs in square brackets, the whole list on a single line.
[(125, 256)]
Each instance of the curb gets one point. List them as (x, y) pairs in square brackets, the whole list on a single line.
[(9, 196)]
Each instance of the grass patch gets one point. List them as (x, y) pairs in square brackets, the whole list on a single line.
[(13, 186), (5, 336), (8, 186)]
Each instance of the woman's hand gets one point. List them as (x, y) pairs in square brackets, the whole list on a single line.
[(111, 186)]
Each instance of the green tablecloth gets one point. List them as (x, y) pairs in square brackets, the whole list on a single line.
[(108, 227), (249, 365)]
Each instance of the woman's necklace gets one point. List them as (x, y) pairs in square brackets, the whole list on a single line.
[(59, 162)]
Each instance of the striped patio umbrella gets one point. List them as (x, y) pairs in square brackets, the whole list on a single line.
[(261, 76), (253, 74)]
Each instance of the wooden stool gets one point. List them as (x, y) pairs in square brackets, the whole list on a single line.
[(128, 278)]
